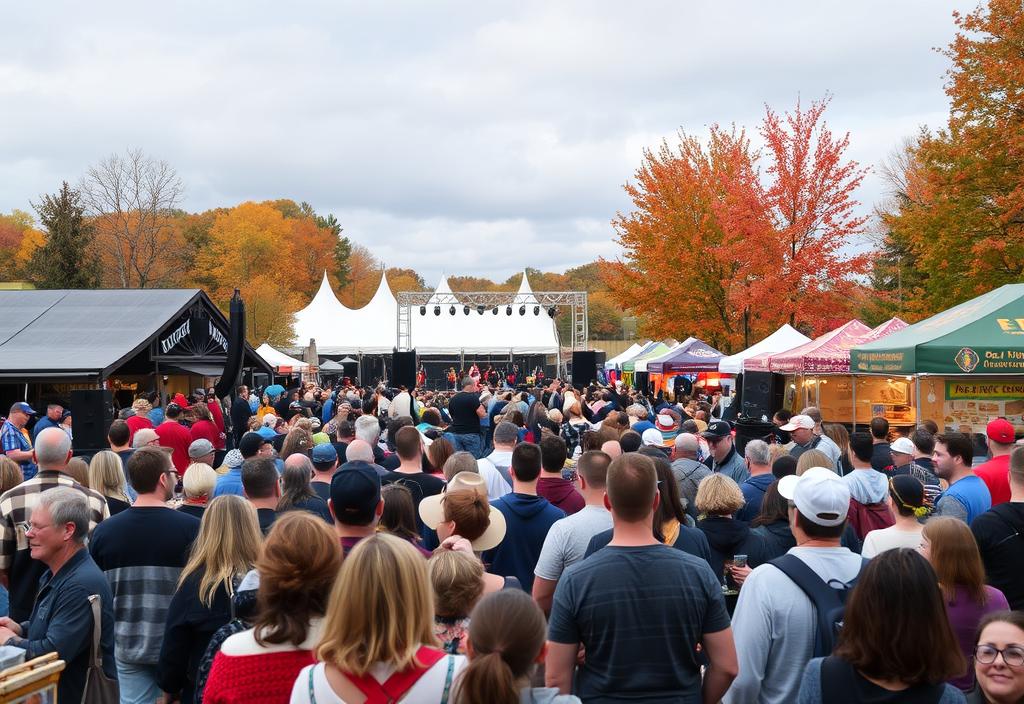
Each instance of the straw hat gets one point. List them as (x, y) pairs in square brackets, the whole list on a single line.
[(432, 510)]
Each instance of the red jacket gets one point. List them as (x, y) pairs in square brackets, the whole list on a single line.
[(177, 437)]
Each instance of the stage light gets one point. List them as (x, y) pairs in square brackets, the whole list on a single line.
[(480, 309), (508, 310), (451, 310), (552, 310), (495, 310), (536, 310), (522, 310), (423, 310), (465, 310), (437, 310)]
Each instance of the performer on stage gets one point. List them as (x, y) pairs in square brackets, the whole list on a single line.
[(421, 377), (452, 378), (474, 373)]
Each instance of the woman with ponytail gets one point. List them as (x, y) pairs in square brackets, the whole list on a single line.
[(506, 641)]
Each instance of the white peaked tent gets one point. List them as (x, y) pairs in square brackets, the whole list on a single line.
[(785, 338), (278, 359), (372, 329), (618, 359)]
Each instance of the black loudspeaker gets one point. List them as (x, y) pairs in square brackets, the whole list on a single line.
[(584, 367), (403, 369), (763, 393), (92, 412)]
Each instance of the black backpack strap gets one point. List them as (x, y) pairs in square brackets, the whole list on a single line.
[(823, 596)]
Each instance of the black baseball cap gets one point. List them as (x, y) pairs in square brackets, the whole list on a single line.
[(718, 429), (355, 493), (250, 444)]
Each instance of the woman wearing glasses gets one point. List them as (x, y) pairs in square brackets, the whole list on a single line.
[(999, 660), (896, 644)]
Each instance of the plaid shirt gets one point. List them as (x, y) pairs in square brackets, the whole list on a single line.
[(14, 438), (16, 507)]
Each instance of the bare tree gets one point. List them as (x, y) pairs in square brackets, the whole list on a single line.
[(133, 198)]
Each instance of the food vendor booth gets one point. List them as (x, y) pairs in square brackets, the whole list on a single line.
[(692, 357), (613, 366), (966, 364), (651, 351)]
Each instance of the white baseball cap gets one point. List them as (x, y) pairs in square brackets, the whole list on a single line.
[(653, 436), (798, 422), (904, 445), (820, 495)]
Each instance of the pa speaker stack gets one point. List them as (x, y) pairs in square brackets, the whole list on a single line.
[(403, 369), (584, 367), (92, 411)]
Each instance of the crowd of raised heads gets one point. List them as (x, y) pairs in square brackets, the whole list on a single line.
[(512, 540)]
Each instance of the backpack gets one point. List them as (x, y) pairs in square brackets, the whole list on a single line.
[(868, 517), (829, 601)]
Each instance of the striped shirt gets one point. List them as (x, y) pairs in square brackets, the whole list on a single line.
[(14, 438), (16, 506)]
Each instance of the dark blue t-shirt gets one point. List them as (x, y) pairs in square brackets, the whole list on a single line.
[(753, 490), (639, 612)]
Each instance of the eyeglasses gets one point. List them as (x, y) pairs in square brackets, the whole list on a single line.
[(27, 526), (1012, 656)]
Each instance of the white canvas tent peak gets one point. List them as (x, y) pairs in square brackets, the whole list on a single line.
[(319, 320), (621, 357), (785, 338)]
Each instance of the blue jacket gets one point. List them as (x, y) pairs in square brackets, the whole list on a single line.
[(61, 622), (528, 519), (230, 483)]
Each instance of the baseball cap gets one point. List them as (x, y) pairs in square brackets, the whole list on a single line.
[(903, 445), (200, 447), (250, 444), (23, 407), (718, 429), (355, 493), (432, 509), (653, 436), (324, 453), (1000, 430), (819, 494), (805, 422)]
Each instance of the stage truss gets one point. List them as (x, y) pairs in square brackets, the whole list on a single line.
[(549, 301)]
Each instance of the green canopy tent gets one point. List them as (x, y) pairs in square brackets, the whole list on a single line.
[(983, 336), (656, 351)]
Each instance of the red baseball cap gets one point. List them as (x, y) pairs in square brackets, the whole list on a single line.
[(1000, 430)]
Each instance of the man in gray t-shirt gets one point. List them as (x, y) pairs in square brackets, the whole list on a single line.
[(567, 539), (687, 469)]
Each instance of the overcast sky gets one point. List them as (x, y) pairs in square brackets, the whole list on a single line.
[(470, 138)]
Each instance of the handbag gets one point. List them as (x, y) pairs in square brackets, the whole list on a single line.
[(99, 689)]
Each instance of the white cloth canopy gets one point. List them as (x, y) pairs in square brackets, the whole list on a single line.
[(278, 359), (785, 338), (372, 329), (618, 359)]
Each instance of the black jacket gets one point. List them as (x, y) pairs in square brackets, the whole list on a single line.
[(240, 413), (728, 537)]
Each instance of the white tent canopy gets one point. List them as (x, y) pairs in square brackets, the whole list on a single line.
[(372, 329), (278, 359), (621, 357), (785, 338)]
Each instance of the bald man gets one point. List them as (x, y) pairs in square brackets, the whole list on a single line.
[(361, 451), (687, 469), (612, 448)]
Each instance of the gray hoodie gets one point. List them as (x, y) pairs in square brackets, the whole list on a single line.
[(867, 485)]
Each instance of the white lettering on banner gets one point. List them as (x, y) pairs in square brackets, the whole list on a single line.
[(702, 353), (217, 337), (175, 337)]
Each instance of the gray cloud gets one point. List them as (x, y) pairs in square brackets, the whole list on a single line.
[(469, 138)]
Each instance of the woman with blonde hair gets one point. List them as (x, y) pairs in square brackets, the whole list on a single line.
[(10, 474), (197, 484), (106, 475), (226, 549), (378, 639), (297, 569), (838, 433), (299, 439), (949, 545), (813, 458)]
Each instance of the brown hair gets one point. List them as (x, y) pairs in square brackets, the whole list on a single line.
[(506, 634), (813, 458), (408, 443), (593, 467), (10, 474), (469, 510), (299, 439), (458, 582), (632, 484), (399, 515), (458, 463), (78, 470), (297, 566), (954, 556), (1014, 618), (201, 412), (895, 609), (145, 467), (438, 453)]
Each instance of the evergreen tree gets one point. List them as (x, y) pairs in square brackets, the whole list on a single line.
[(68, 259)]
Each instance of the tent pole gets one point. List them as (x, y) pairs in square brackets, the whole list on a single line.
[(817, 392), (853, 379), (917, 400)]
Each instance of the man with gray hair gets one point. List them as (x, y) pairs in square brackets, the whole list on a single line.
[(687, 469), (61, 619), (758, 457), (52, 452), (367, 429), (494, 467)]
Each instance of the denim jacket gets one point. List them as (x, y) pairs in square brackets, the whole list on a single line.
[(61, 622)]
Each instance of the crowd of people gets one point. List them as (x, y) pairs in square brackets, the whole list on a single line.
[(503, 543)]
